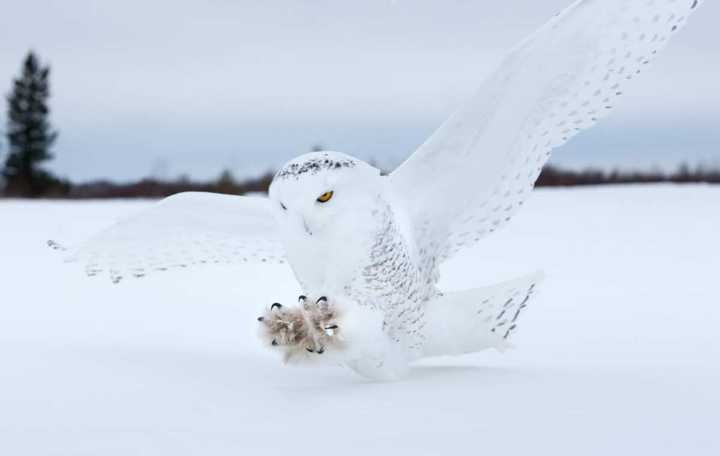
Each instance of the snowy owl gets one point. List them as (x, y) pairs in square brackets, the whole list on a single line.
[(366, 247)]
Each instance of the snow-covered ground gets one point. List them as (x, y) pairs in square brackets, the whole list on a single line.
[(618, 354)]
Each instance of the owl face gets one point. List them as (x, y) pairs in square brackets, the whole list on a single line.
[(321, 190)]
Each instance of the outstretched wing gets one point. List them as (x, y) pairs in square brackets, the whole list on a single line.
[(184, 230), (475, 171)]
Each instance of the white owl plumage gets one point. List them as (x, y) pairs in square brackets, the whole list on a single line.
[(368, 257)]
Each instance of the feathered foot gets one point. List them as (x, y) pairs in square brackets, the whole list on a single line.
[(311, 328)]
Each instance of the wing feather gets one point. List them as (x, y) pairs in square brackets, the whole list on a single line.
[(472, 175), (183, 230)]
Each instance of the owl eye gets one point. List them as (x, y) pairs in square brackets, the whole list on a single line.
[(325, 197)]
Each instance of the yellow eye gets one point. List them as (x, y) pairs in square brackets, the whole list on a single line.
[(325, 197)]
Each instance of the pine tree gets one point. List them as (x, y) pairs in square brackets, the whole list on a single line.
[(29, 135)]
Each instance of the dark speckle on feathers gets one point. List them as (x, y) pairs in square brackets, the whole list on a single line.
[(512, 305), (313, 166)]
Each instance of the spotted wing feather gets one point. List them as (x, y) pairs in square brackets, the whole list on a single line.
[(181, 231), (473, 174)]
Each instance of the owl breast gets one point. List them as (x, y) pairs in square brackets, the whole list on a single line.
[(374, 265)]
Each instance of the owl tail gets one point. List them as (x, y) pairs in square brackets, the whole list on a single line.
[(473, 320)]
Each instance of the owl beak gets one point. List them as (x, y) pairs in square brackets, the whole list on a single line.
[(307, 228)]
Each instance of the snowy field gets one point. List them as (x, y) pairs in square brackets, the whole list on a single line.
[(618, 354)]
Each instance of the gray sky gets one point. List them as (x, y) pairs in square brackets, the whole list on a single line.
[(191, 87)]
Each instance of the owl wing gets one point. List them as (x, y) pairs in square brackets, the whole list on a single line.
[(473, 174), (183, 230)]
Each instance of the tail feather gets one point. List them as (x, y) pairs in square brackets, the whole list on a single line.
[(473, 320)]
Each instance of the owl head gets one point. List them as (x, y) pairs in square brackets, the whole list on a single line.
[(321, 189)]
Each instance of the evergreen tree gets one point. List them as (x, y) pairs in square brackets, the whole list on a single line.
[(29, 135)]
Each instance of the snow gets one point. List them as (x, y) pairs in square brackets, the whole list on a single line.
[(619, 352)]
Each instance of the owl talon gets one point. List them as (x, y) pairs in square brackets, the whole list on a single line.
[(311, 327)]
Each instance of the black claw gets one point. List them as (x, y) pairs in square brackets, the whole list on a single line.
[(310, 349), (321, 298), (321, 351), (302, 298), (274, 342), (332, 327), (261, 318), (276, 305)]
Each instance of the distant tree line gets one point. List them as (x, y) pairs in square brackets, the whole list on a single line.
[(154, 188), (552, 176), (30, 136)]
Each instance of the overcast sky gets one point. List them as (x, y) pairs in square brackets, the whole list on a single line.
[(178, 87)]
